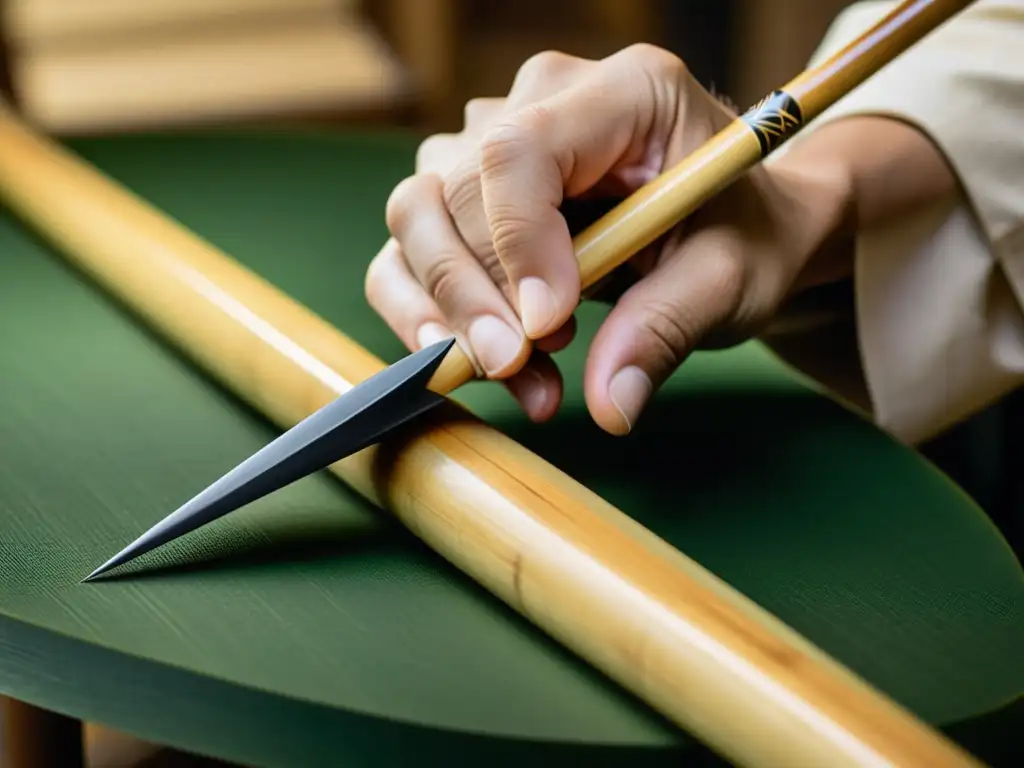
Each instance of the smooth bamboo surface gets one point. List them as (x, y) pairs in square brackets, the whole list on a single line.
[(649, 617), (658, 206)]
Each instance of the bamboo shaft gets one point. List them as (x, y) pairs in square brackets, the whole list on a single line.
[(652, 619), (658, 206)]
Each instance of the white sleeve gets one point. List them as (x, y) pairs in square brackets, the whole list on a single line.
[(938, 297)]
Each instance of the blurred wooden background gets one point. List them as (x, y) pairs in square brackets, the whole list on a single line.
[(105, 66), (82, 66)]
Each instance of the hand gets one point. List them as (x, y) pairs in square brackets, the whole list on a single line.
[(480, 249)]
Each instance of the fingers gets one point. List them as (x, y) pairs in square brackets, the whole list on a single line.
[(400, 300), (544, 74), (439, 154), (478, 115), (447, 245), (558, 340), (471, 304), (658, 322), (536, 156), (415, 319), (402, 279), (481, 250), (537, 387), (541, 76)]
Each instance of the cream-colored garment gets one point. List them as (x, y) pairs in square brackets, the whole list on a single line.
[(939, 296)]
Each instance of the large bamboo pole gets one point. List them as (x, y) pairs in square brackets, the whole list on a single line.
[(651, 618)]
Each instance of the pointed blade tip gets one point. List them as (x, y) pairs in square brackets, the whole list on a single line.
[(94, 575), (440, 350), (137, 548), (127, 554)]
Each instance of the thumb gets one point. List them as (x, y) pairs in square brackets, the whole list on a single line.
[(657, 323), (561, 146)]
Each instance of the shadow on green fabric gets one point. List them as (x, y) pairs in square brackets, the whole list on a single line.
[(311, 628)]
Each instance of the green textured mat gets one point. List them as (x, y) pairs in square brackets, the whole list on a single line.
[(311, 628)]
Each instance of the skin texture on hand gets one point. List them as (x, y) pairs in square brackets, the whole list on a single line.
[(480, 249)]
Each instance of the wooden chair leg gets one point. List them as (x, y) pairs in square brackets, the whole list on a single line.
[(36, 738)]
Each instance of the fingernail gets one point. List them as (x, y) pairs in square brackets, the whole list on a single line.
[(494, 343), (431, 333), (536, 305), (534, 395), (629, 390)]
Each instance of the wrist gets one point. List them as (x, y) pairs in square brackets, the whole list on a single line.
[(859, 171), (820, 214)]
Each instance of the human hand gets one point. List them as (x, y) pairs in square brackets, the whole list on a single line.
[(480, 249)]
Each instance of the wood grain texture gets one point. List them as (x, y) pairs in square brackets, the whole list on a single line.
[(655, 208), (625, 600)]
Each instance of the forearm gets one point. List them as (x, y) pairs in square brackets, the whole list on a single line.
[(893, 167), (888, 169), (928, 332)]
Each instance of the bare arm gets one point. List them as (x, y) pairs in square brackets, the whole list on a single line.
[(888, 169)]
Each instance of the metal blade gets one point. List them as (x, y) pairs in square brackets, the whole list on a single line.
[(356, 420)]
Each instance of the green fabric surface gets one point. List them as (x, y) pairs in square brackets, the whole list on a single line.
[(310, 626)]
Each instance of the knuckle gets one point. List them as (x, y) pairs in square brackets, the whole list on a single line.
[(372, 282), (510, 140), (511, 232), (433, 149), (671, 330), (375, 281), (677, 328), (725, 275), (500, 147), (510, 135), (460, 190), (656, 60), (545, 64), (401, 203), (441, 280), (480, 110), (396, 210), (496, 272)]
